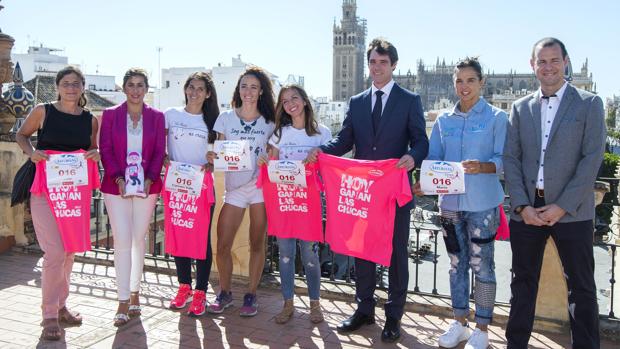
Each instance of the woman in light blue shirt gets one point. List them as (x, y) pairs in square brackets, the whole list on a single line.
[(473, 133)]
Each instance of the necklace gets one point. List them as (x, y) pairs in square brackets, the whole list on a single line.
[(247, 126), (134, 127)]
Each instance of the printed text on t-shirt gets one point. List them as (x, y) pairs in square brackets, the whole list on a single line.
[(287, 193), (179, 203), (354, 189)]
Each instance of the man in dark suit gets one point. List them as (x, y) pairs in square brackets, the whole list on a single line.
[(383, 122), (554, 147)]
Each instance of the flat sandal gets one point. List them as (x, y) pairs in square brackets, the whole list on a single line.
[(69, 317), (51, 330), (120, 319), (135, 310)]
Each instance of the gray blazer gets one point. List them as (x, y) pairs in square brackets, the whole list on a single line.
[(572, 158)]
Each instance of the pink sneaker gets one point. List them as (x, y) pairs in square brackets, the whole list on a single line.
[(183, 297), (199, 304)]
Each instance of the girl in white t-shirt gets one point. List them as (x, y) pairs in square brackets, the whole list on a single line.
[(251, 119), (190, 130), (296, 133)]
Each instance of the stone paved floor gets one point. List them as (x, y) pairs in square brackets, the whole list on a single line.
[(93, 294)]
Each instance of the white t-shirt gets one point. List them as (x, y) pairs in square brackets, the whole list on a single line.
[(257, 134), (188, 136), (294, 144)]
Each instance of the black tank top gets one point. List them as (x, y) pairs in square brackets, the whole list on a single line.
[(65, 132)]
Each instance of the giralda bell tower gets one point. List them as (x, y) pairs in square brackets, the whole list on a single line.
[(349, 53)]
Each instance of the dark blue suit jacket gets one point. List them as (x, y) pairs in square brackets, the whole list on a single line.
[(402, 129)]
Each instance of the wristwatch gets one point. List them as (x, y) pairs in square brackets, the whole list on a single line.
[(518, 209)]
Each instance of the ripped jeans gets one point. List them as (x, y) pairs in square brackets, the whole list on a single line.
[(310, 261), (475, 234)]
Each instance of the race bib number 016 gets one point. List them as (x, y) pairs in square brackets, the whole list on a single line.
[(232, 156), (442, 177), (287, 172), (66, 169), (184, 178)]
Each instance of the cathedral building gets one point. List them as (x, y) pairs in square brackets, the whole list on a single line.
[(432, 82)]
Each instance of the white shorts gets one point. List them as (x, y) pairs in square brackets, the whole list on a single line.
[(245, 195)]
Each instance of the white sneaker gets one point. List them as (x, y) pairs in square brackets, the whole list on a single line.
[(478, 340), (454, 335)]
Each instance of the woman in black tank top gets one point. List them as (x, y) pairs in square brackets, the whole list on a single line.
[(63, 125)]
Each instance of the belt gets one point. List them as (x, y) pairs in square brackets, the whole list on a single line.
[(540, 193)]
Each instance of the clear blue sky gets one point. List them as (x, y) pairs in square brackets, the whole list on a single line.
[(296, 36)]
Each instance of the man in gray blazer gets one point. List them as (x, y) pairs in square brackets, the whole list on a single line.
[(554, 147)]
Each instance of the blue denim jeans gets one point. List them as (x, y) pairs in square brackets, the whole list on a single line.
[(310, 261), (475, 232)]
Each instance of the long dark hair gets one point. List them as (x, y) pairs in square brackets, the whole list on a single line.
[(266, 105), (210, 108), (71, 69), (284, 119)]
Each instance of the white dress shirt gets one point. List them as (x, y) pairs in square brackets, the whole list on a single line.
[(386, 93), (134, 136), (548, 109)]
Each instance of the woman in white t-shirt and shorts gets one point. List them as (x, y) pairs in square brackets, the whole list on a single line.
[(251, 119), (189, 132), (296, 133)]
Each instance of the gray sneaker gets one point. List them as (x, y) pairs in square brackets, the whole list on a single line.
[(222, 301)]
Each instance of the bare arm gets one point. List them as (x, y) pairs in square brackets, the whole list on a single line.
[(211, 155), (272, 153), (93, 151), (33, 122)]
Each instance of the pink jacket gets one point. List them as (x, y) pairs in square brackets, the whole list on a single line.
[(113, 146)]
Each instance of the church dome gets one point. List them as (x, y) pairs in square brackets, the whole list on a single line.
[(18, 100)]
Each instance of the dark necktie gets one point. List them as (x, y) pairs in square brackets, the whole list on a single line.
[(547, 97), (376, 110)]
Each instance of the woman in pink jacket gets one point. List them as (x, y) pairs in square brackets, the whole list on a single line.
[(132, 144)]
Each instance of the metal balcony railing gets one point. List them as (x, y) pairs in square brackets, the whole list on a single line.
[(428, 258)]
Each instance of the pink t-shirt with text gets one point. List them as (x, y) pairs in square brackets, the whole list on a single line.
[(70, 204), (361, 205), (186, 220), (293, 211)]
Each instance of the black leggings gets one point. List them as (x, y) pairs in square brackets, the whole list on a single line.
[(203, 266)]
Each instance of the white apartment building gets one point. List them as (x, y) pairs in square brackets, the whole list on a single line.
[(105, 86), (330, 113), (39, 61), (171, 92), (43, 61), (224, 78)]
